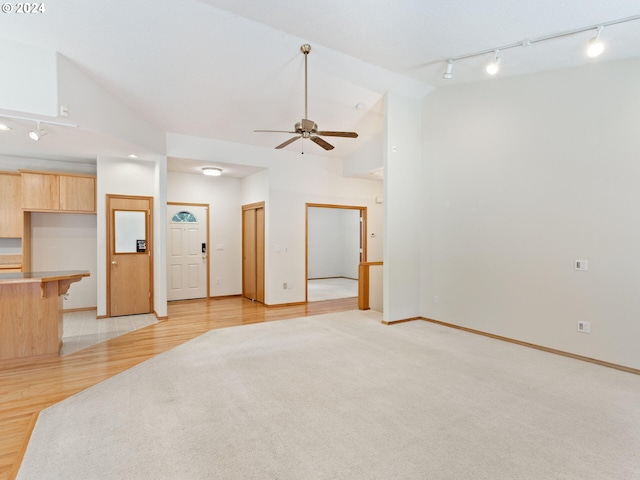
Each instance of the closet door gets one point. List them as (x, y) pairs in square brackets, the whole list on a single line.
[(253, 251)]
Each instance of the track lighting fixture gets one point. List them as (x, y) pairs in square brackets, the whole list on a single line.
[(448, 74), (38, 133), (494, 66), (596, 46), (212, 171)]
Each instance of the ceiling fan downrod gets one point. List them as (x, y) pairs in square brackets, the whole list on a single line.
[(306, 48)]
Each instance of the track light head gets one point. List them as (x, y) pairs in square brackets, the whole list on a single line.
[(448, 74), (494, 66), (596, 47), (38, 133)]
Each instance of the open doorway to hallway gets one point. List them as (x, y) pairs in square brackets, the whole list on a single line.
[(336, 245)]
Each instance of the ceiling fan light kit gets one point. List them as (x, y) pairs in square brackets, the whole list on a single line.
[(306, 128)]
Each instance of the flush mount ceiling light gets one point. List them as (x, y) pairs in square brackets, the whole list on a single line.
[(494, 66), (212, 171), (38, 133), (4, 128), (448, 73), (596, 47)]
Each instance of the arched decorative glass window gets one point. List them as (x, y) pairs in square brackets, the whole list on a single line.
[(184, 217)]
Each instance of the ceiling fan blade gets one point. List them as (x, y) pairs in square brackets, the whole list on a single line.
[(324, 144), (274, 131), (284, 144), (338, 134)]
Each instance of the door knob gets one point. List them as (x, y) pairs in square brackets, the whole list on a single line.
[(114, 263)]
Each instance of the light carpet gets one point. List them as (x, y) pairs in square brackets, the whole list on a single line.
[(342, 396)]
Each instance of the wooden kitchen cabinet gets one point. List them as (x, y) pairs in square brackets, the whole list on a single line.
[(11, 216), (77, 193), (58, 192), (40, 191)]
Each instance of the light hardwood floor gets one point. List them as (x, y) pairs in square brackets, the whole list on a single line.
[(27, 389)]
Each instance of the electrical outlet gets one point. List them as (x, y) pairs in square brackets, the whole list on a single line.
[(584, 327), (66, 296), (284, 286)]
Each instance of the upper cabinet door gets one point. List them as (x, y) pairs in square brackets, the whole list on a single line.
[(40, 191), (77, 193), (58, 192), (11, 216)]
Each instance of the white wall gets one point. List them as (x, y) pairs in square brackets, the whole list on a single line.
[(67, 241), (94, 108), (225, 224), (333, 242), (402, 194), (15, 164), (523, 176), (366, 159), (29, 80), (118, 176)]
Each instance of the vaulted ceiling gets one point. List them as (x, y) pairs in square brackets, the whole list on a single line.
[(222, 68)]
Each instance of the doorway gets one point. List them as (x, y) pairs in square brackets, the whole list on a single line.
[(336, 244), (253, 251), (188, 264), (130, 255)]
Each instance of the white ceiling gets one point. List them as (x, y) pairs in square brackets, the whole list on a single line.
[(222, 68)]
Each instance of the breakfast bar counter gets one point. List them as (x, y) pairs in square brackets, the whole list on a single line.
[(31, 313)]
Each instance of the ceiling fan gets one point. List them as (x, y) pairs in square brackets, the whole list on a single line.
[(306, 128)]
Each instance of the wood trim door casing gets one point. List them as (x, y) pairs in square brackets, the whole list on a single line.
[(150, 245), (208, 207), (260, 249), (363, 236)]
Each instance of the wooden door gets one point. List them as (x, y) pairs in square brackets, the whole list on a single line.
[(130, 255), (253, 251), (187, 251)]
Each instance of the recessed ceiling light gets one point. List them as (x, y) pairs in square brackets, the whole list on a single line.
[(212, 171), (4, 128)]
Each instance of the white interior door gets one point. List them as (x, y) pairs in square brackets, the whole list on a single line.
[(187, 252)]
